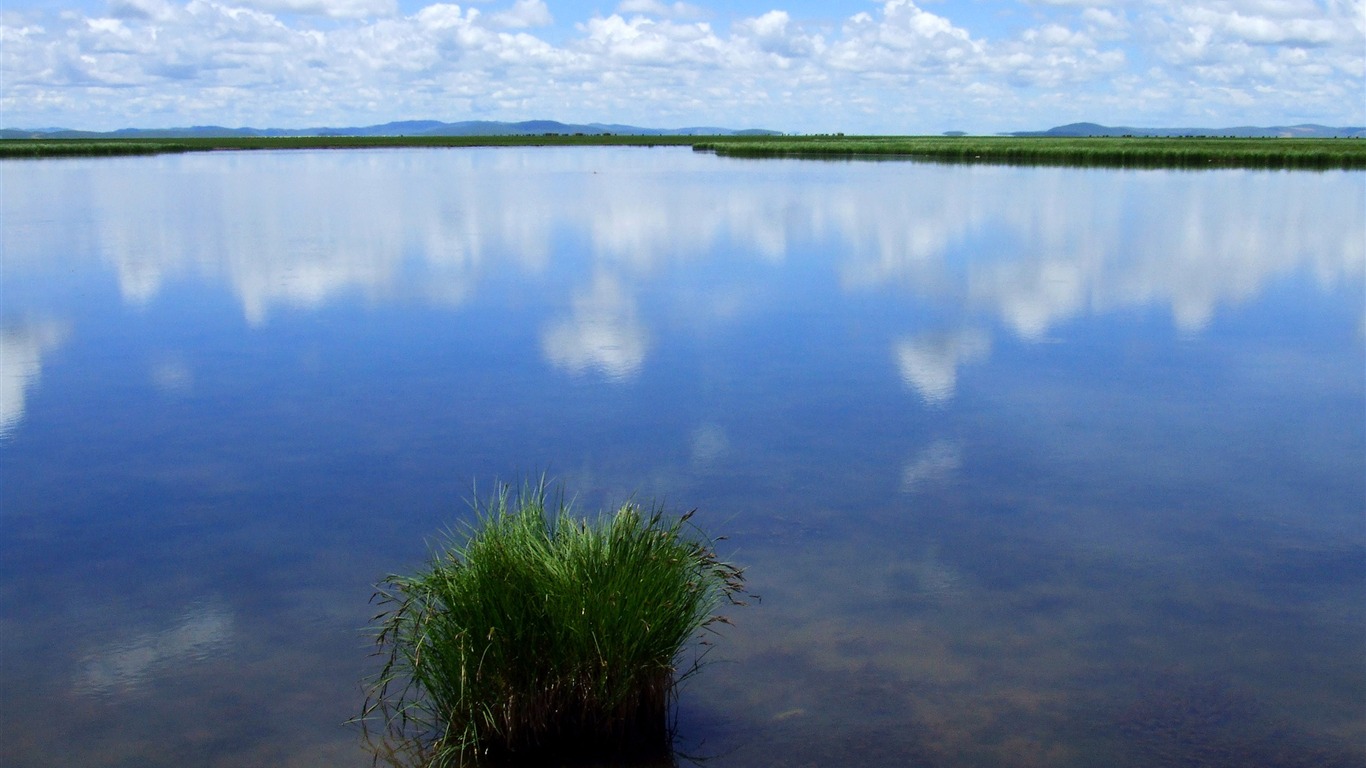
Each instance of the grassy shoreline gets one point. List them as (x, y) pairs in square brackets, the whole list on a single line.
[(39, 148), (1125, 152), (1115, 152)]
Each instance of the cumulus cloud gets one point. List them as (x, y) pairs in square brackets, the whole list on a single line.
[(1105, 20), (775, 32), (160, 10), (904, 39), (1255, 53), (1052, 57), (677, 10), (640, 40), (524, 14), (896, 67), (342, 9)]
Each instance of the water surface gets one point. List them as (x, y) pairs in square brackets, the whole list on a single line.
[(1031, 466)]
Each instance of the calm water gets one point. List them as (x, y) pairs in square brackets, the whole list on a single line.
[(1031, 466)]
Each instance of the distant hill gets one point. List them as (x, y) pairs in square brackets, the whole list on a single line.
[(400, 128), (1284, 132), (540, 127)]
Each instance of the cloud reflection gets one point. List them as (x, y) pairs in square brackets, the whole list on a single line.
[(1028, 248), (126, 666), (172, 377), (935, 463), (708, 444), (602, 333), (21, 362), (929, 362)]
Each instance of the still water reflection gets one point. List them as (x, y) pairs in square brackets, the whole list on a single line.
[(1032, 466)]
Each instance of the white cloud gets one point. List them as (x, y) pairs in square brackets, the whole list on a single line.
[(1054, 56), (643, 41), (776, 33), (897, 67), (1103, 19), (158, 10), (1231, 27), (524, 14), (1055, 36), (678, 10), (904, 40), (341, 9)]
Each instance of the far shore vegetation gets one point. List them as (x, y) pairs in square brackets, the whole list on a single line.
[(1116, 152), (534, 633)]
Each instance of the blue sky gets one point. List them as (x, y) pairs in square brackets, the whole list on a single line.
[(860, 66)]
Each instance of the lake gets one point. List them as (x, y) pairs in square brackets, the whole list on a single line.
[(1030, 466)]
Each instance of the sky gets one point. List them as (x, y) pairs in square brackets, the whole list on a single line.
[(798, 66)]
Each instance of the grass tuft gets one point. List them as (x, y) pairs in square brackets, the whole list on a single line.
[(536, 633)]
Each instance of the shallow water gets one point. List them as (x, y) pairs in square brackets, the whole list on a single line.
[(1031, 466)]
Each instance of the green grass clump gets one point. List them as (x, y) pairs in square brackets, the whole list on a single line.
[(541, 634)]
